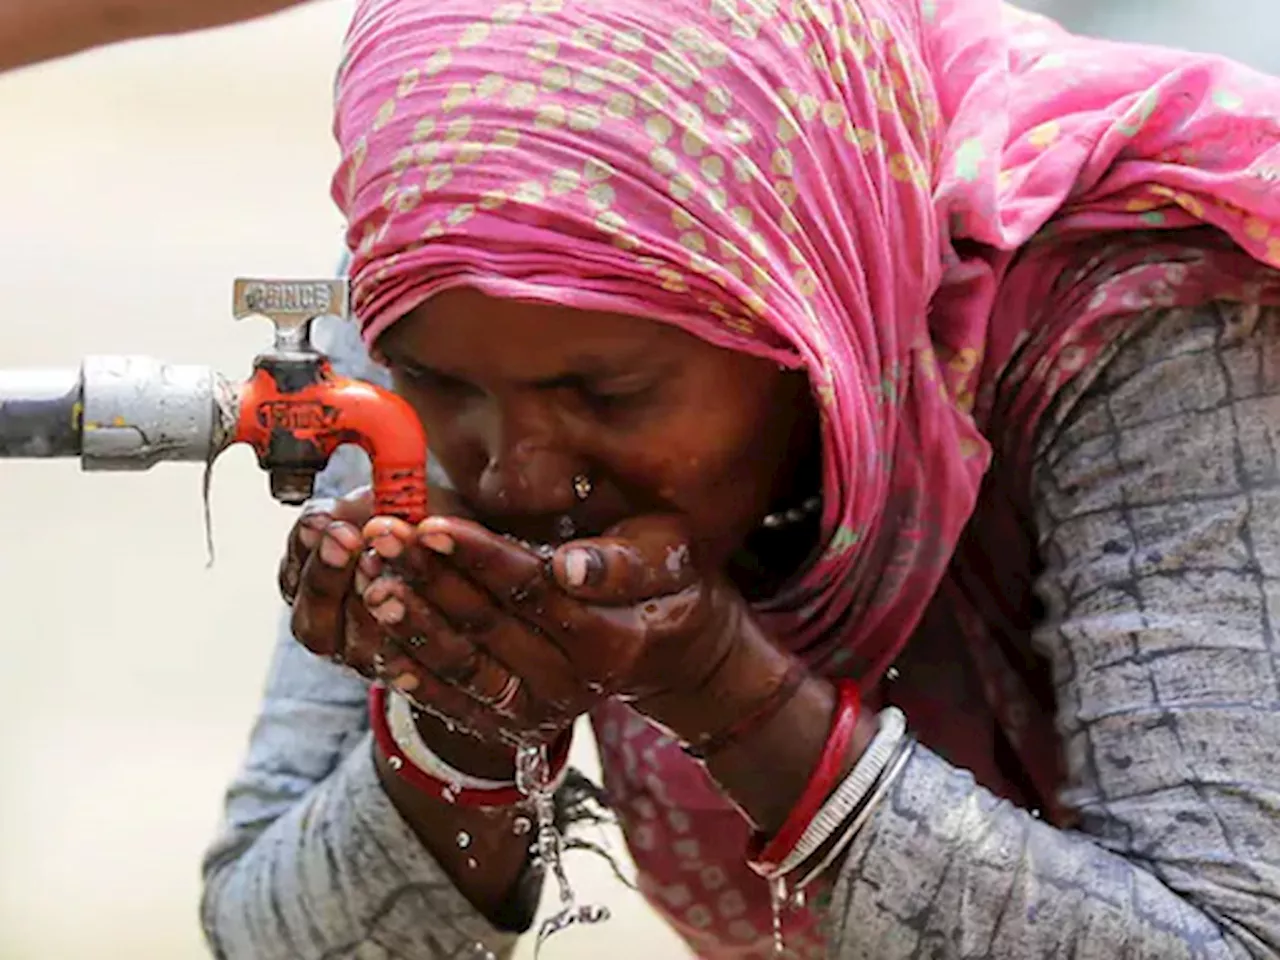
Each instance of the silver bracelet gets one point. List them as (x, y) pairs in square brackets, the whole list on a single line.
[(851, 792), (907, 747)]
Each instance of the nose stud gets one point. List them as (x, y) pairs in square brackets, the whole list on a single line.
[(582, 486)]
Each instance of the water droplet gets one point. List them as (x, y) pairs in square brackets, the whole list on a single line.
[(521, 826), (566, 529), (395, 763), (533, 779), (777, 901), (471, 863), (464, 839)]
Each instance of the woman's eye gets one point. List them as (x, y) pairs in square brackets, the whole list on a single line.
[(614, 401), (437, 382)]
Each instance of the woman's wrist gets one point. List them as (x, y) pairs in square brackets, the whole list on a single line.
[(787, 742), (749, 679), (466, 752), (788, 746), (395, 723), (484, 850)]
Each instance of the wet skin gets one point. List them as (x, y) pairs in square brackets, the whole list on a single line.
[(519, 398), (687, 446)]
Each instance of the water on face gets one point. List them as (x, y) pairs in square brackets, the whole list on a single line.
[(566, 529)]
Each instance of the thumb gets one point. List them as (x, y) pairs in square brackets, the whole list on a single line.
[(633, 561)]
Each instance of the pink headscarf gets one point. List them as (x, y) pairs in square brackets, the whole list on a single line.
[(894, 195)]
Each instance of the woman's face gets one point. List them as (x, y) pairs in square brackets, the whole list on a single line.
[(519, 400)]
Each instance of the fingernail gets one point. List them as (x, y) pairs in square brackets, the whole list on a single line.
[(389, 612), (376, 591), (582, 566), (308, 536), (388, 546), (438, 543), (370, 563), (333, 553), (315, 520)]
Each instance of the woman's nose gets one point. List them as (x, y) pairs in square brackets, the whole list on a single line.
[(525, 479), (527, 472)]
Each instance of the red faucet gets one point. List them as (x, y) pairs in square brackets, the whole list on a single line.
[(295, 411)]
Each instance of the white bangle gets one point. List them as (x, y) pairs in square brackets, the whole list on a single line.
[(404, 730), (860, 821), (850, 793)]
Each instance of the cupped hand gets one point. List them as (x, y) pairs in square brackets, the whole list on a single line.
[(514, 643), (318, 575)]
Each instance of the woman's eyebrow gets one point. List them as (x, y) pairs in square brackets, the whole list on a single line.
[(586, 365)]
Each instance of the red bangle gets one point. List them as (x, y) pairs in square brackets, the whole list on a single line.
[(433, 786), (763, 854)]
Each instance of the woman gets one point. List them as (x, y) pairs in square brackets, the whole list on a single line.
[(795, 369)]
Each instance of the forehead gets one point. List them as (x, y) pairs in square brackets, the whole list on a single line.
[(466, 330)]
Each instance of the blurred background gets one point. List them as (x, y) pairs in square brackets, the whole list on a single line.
[(135, 184)]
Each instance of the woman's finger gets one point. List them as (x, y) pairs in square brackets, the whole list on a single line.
[(454, 707), (431, 641), (304, 537), (319, 620), (544, 680), (463, 604), (517, 579), (316, 516), (638, 560), (363, 641)]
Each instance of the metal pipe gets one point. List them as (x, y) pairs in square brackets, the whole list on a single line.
[(40, 413), (117, 413)]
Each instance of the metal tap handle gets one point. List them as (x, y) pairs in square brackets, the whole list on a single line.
[(291, 306)]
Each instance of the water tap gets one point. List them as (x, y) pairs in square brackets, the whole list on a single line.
[(295, 411), (131, 412)]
